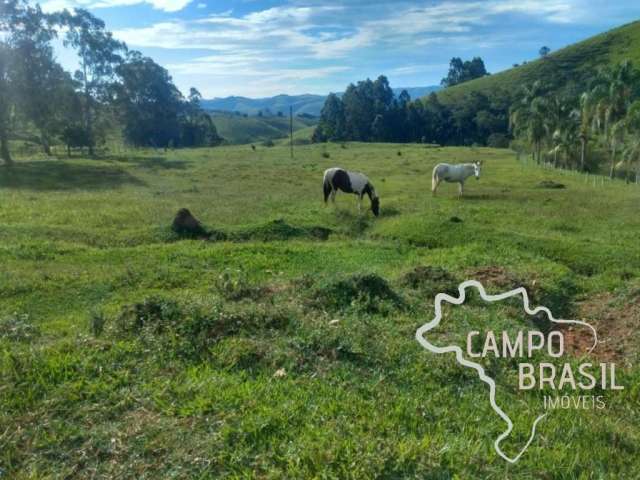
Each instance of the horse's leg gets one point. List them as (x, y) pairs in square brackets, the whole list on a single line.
[(434, 186), (461, 188), (333, 196), (359, 204)]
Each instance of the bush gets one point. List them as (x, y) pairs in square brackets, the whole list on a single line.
[(268, 143), (498, 140)]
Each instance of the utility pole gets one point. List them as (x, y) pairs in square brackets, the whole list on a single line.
[(291, 128)]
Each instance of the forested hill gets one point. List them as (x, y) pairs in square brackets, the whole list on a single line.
[(563, 68)]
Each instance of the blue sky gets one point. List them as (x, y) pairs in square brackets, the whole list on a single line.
[(265, 47)]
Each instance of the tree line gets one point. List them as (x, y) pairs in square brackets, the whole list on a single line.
[(113, 88), (582, 124), (369, 112), (579, 129)]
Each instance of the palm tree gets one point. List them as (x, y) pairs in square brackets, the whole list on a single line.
[(631, 151), (585, 114), (527, 117), (558, 121), (612, 94), (616, 138)]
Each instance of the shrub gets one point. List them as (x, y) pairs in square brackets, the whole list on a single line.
[(498, 140), (268, 143)]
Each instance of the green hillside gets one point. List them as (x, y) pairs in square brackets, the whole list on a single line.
[(237, 129), (570, 64)]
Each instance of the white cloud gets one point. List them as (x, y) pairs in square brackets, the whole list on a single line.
[(295, 42), (164, 5), (303, 40)]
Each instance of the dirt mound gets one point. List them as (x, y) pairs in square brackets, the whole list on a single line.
[(616, 319), (498, 277), (430, 280), (185, 224), (551, 184)]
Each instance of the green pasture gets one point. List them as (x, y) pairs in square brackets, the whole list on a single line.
[(283, 346)]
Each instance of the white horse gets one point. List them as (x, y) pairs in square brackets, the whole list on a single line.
[(454, 173), (349, 182)]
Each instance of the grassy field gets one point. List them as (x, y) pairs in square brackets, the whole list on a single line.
[(283, 347)]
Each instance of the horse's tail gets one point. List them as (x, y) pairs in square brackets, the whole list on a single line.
[(434, 179), (326, 186)]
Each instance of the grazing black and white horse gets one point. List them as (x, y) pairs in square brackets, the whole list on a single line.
[(454, 173), (350, 182)]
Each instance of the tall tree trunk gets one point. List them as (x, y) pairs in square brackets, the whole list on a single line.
[(4, 149), (613, 161), (45, 145), (87, 109), (583, 152)]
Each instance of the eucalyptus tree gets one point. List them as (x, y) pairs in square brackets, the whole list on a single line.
[(6, 103), (7, 83), (99, 54), (149, 103), (38, 77)]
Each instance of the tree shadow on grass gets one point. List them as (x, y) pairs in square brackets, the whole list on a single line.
[(64, 176), (153, 163)]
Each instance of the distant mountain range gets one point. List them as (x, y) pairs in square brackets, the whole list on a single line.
[(302, 104)]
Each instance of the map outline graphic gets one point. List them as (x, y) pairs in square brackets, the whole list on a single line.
[(462, 288)]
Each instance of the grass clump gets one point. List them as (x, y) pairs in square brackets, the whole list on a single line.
[(97, 322), (153, 314), (430, 280), (366, 292), (190, 329), (235, 285), (18, 328), (281, 230)]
